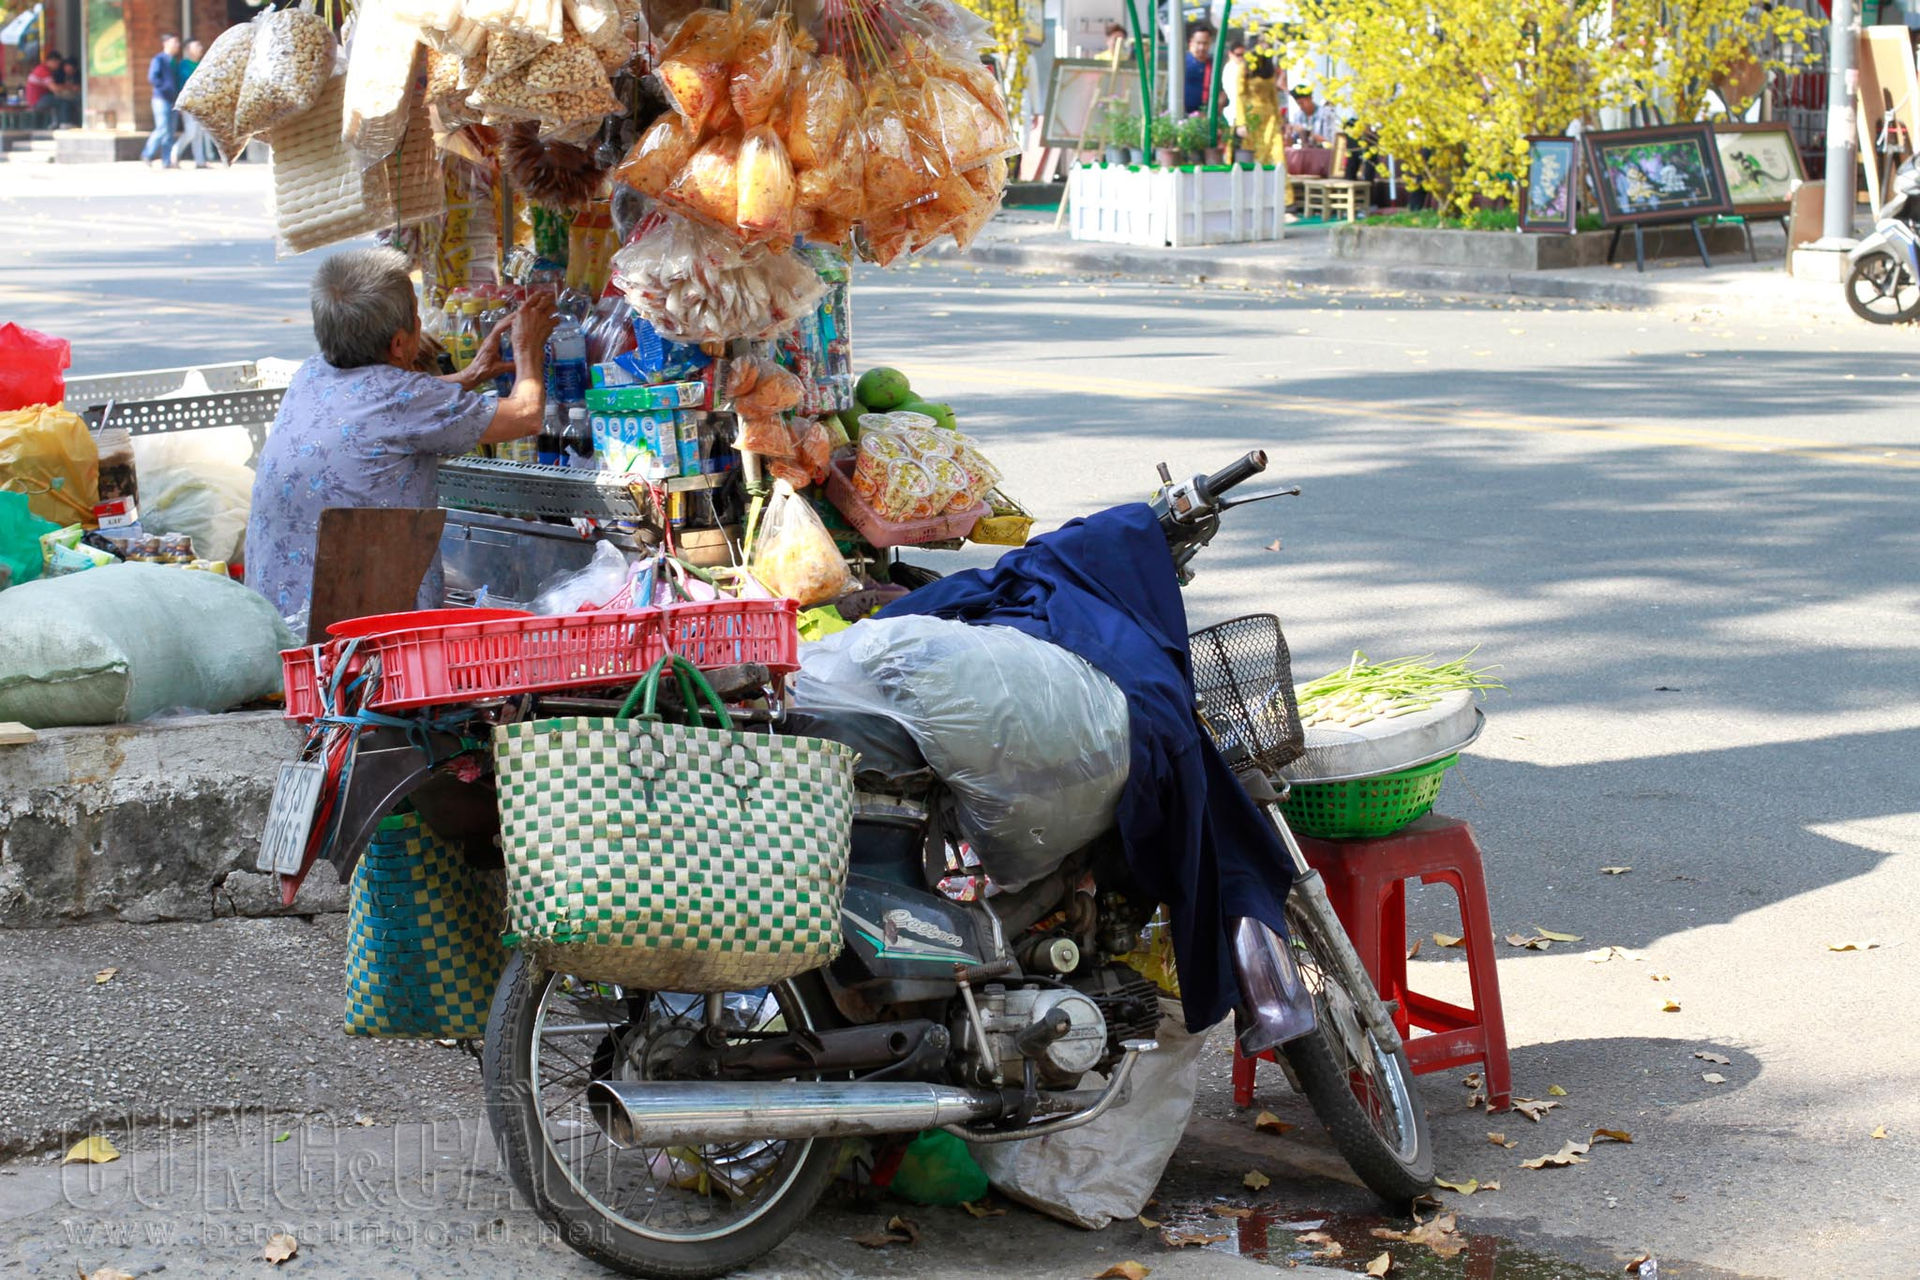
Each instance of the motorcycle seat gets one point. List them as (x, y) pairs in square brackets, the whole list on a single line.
[(886, 749)]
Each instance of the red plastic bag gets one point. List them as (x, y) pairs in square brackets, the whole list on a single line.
[(31, 367)]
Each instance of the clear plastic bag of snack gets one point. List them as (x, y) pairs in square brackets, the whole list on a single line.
[(291, 60), (659, 156), (381, 56), (989, 183), (982, 475), (795, 555), (824, 107), (883, 239), (762, 66), (791, 470), (838, 187), (813, 448), (898, 168), (967, 134), (709, 187), (694, 66), (697, 284), (767, 194), (766, 434), (212, 95), (591, 17), (568, 67), (771, 390)]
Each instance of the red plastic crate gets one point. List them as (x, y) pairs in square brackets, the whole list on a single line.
[(465, 662)]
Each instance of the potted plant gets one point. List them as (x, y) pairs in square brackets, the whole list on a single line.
[(1166, 146), (1119, 130), (1190, 136)]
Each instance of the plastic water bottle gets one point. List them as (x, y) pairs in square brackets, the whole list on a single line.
[(580, 440), (567, 363), (502, 382)]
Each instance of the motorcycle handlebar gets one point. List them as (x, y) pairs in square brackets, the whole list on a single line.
[(1235, 473)]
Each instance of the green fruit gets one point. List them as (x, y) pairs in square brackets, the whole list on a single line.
[(882, 389), (942, 414), (850, 419)]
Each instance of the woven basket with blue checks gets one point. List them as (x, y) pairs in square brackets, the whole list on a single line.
[(423, 938)]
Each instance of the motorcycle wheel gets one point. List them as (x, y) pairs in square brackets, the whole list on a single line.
[(1362, 1090), (673, 1214), (1880, 290)]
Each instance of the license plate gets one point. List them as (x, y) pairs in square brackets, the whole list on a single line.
[(295, 796)]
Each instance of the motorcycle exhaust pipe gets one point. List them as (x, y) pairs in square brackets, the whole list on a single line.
[(639, 1113)]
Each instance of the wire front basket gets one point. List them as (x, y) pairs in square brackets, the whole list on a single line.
[(1244, 680)]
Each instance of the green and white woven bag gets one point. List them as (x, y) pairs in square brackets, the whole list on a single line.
[(673, 857)]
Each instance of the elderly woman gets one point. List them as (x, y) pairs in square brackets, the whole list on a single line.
[(359, 427)]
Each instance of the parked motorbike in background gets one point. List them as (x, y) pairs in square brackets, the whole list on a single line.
[(1883, 277), (685, 1135)]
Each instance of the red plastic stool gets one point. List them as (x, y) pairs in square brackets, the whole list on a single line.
[(1366, 881)]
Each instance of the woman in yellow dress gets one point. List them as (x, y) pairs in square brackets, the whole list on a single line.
[(1257, 104)]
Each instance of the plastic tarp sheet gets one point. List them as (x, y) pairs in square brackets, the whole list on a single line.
[(1032, 740), (1336, 753)]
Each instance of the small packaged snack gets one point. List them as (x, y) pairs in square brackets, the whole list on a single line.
[(658, 157), (879, 449), (906, 491)]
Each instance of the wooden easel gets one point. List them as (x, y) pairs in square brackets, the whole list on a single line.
[(1106, 97)]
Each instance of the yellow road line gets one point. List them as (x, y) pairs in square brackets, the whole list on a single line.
[(1473, 419)]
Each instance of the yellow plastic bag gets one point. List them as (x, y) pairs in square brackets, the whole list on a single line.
[(48, 454)]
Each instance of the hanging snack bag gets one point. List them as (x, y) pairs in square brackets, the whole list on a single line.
[(212, 95), (291, 60), (795, 555), (658, 157), (694, 66), (709, 187), (761, 66), (381, 59), (897, 172), (767, 192), (824, 106), (764, 434)]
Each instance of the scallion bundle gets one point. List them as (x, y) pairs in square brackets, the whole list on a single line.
[(1364, 691)]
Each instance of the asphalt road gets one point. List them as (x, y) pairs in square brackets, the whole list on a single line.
[(1688, 541)]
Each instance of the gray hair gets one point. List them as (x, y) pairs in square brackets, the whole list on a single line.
[(361, 298)]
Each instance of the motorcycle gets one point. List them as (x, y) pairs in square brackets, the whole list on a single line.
[(1883, 277), (682, 1135)]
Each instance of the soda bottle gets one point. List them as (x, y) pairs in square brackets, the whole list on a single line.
[(580, 440), (550, 449), (464, 342)]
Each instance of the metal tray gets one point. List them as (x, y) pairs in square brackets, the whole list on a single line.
[(1388, 746)]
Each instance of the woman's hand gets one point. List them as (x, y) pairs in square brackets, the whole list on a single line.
[(487, 363), (532, 326)]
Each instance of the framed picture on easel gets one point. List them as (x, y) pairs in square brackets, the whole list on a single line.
[(1551, 196), (1076, 89), (1667, 173), (1762, 166)]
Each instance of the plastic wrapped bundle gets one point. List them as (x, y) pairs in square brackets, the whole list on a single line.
[(1032, 739)]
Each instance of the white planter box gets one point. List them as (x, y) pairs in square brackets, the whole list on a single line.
[(1119, 204)]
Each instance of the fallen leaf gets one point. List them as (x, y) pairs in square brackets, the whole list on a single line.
[(105, 975), (1267, 1122), (280, 1247), (1706, 1056), (988, 1211), (94, 1150), (1229, 1211), (1328, 1246), (1530, 943), (899, 1231), (1274, 545), (1637, 1263), (1670, 1005), (1551, 936), (283, 1137), (1414, 950), (1880, 1132), (1472, 1080), (1149, 1223), (1713, 1077), (1660, 977), (364, 1122), (1466, 1188), (1612, 1135), (1605, 954), (1446, 940), (1380, 1265), (1437, 1233), (1125, 1271), (1570, 1153), (1490, 1186), (1533, 1108), (1831, 946), (1256, 1181), (1501, 1140), (1554, 1090), (1614, 871), (1183, 1239), (106, 1273)]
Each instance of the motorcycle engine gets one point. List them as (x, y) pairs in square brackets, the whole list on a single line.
[(1059, 1063)]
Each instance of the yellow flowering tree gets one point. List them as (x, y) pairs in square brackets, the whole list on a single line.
[(1671, 52), (1008, 20)]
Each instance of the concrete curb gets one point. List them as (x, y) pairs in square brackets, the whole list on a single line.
[(1633, 290)]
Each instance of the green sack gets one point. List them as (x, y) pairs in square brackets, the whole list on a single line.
[(938, 1169), (20, 532)]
